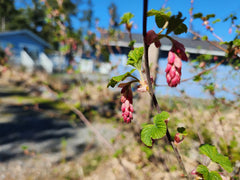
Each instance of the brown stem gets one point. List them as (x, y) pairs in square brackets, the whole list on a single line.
[(147, 69)]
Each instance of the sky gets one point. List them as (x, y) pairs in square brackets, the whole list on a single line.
[(221, 8)]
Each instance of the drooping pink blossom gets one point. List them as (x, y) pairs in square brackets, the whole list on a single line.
[(173, 69), (126, 100), (151, 37)]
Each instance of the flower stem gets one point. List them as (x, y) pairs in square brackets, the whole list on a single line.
[(151, 92)]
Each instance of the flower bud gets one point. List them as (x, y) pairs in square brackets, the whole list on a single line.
[(178, 138)]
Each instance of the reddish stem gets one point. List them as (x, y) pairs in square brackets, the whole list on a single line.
[(151, 92)]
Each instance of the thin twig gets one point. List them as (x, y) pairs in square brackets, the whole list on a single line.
[(202, 72), (99, 136), (146, 60), (211, 42), (90, 126)]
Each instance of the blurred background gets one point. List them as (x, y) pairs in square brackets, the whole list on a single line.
[(60, 121)]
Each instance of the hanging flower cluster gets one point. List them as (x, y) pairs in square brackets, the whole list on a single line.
[(126, 100), (174, 66), (173, 69)]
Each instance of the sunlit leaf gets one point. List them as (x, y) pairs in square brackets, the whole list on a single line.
[(156, 130), (116, 79), (213, 175), (161, 16), (215, 21), (204, 171), (212, 153), (125, 19), (135, 58)]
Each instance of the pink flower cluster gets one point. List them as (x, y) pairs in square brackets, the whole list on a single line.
[(174, 66), (127, 100), (173, 70)]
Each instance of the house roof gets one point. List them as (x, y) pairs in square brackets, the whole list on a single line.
[(26, 32), (192, 46)]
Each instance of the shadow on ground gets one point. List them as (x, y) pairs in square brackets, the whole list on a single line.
[(27, 127)]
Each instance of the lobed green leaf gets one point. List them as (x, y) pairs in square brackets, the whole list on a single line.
[(156, 130), (212, 153), (135, 58), (176, 24), (116, 79), (161, 16)]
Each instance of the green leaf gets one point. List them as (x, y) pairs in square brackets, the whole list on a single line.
[(125, 19), (154, 12), (131, 43), (197, 78), (161, 117), (156, 130), (213, 175), (236, 42), (204, 38), (204, 171), (116, 79), (146, 134), (161, 19), (212, 153), (215, 21), (210, 16), (182, 130), (176, 24), (135, 58), (197, 15), (161, 16), (182, 28)]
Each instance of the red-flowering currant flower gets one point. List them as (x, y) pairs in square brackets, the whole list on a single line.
[(179, 49), (126, 100), (151, 37), (173, 69)]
